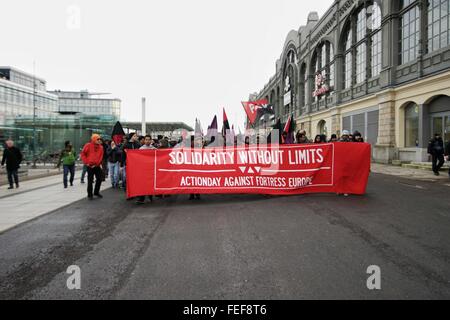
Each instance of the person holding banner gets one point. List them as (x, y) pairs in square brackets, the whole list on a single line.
[(196, 143), (357, 137), (148, 145), (333, 138), (318, 139), (301, 137), (131, 144), (345, 136)]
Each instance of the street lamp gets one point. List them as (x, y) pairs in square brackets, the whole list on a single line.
[(34, 115)]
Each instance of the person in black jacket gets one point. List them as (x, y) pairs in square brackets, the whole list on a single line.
[(114, 157), (357, 137), (105, 145), (436, 150), (447, 153), (133, 144), (12, 157)]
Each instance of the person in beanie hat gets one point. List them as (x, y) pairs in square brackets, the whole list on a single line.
[(345, 136), (333, 138), (92, 157), (357, 137)]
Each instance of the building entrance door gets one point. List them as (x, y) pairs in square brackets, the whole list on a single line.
[(440, 123)]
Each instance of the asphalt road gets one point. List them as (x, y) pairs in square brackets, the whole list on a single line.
[(238, 247)]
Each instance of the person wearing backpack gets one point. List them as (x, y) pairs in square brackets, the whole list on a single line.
[(436, 150), (67, 158)]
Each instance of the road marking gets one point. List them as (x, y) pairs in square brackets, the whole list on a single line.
[(411, 185)]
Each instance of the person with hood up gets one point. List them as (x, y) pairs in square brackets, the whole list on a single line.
[(357, 137), (333, 138), (92, 157)]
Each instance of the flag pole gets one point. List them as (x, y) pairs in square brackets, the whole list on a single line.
[(143, 124)]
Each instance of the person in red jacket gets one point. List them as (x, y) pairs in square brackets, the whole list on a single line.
[(92, 157)]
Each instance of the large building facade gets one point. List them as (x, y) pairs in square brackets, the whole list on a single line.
[(39, 121), (381, 67), (88, 103)]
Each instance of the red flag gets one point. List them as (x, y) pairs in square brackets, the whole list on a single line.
[(287, 127), (252, 108)]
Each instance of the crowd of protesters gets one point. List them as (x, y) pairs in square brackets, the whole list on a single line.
[(302, 138), (104, 159)]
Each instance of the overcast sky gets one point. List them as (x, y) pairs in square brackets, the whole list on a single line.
[(189, 58)]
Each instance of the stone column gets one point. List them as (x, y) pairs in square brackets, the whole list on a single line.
[(423, 7), (335, 124), (390, 43), (307, 128), (424, 133), (385, 150), (424, 126)]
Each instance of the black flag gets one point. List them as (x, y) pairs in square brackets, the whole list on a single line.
[(278, 127)]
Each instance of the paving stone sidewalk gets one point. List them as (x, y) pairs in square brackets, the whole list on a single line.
[(410, 173), (38, 197)]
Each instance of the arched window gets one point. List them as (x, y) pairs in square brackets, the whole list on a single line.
[(272, 100), (363, 44), (323, 62), (376, 40), (361, 54), (438, 24), (322, 127), (290, 82), (331, 68), (412, 125), (303, 84), (409, 31), (348, 73)]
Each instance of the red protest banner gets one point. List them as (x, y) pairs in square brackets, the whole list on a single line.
[(276, 170)]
